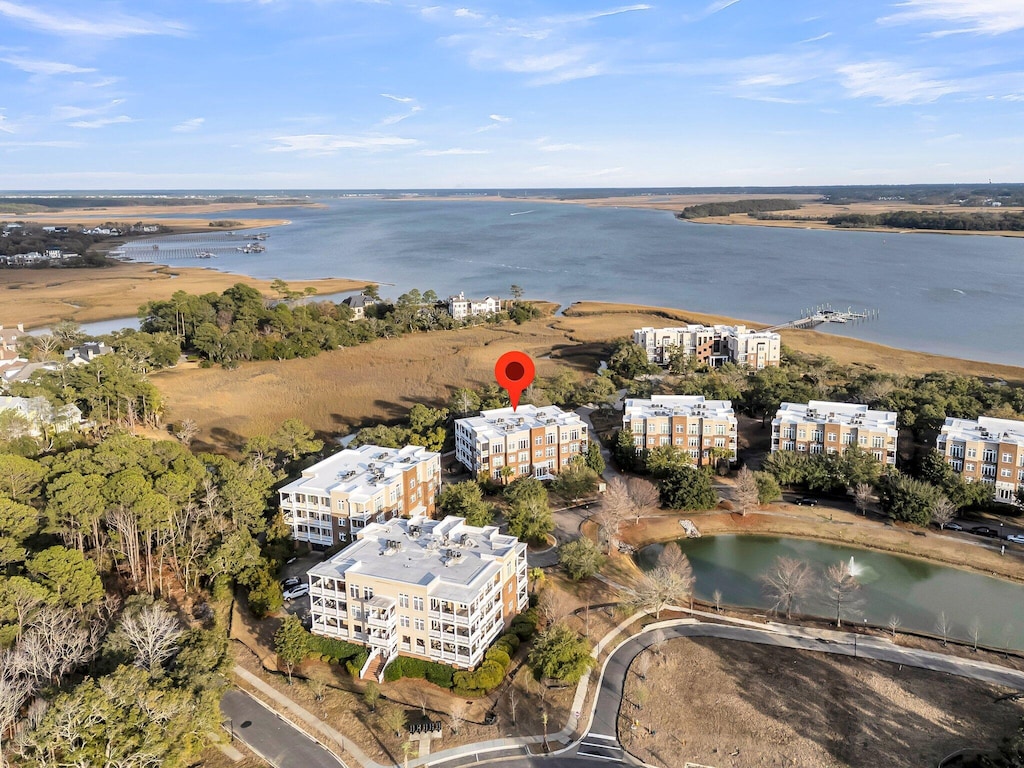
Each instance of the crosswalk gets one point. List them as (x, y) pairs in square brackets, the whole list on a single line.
[(600, 746)]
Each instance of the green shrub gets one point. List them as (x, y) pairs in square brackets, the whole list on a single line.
[(468, 693), (525, 624), (440, 675), (509, 643), (335, 650), (498, 656)]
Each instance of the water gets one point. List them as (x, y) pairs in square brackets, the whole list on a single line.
[(914, 590), (953, 295)]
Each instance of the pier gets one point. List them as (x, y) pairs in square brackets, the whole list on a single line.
[(823, 313), (193, 245)]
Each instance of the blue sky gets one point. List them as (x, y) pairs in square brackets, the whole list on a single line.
[(392, 93)]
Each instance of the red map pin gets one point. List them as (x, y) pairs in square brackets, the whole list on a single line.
[(514, 372)]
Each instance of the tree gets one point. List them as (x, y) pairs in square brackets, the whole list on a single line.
[(894, 624), (17, 523), (295, 439), (612, 511), (943, 626), (535, 576), (516, 291), (393, 718), (943, 512), (974, 630), (530, 520), (716, 597), (153, 632), (688, 488), (661, 461), (907, 499), (187, 431), (594, 458), (20, 477), (767, 488), (575, 480), (554, 605), (624, 451), (457, 715), (71, 578), (786, 583), (643, 497), (466, 500), (291, 643), (862, 497), (581, 558), (840, 588), (558, 653), (464, 402), (745, 494), (669, 582), (629, 360), (370, 292), (371, 695)]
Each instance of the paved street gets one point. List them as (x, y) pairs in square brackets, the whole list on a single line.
[(275, 740)]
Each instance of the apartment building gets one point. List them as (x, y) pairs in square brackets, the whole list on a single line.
[(339, 496), (986, 450), (460, 307), (712, 345), (434, 589), (688, 422), (825, 427), (530, 441)]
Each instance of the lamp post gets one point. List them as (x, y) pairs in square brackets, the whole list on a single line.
[(231, 729)]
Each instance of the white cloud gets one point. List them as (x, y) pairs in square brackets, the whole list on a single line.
[(394, 119), (465, 13), (400, 99), (110, 25), (893, 85), (50, 144), (41, 67), (452, 151), (102, 122), (327, 144), (560, 147), (719, 5), (500, 118), (70, 113), (593, 15), (983, 17), (188, 126), (5, 128), (816, 38)]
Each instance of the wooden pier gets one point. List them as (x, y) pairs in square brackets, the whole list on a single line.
[(812, 318)]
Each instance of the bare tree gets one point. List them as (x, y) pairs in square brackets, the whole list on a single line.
[(862, 493), (55, 642), (894, 624), (457, 714), (744, 493), (943, 626), (421, 699), (643, 498), (15, 690), (670, 581), (974, 630), (641, 695), (554, 605), (153, 632), (643, 665), (658, 642), (371, 695), (317, 686), (717, 597), (786, 583), (187, 431), (612, 511), (841, 587), (943, 512), (513, 700)]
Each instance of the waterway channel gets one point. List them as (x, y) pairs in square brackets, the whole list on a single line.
[(914, 590)]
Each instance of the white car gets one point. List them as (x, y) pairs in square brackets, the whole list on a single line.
[(1016, 538), (299, 591)]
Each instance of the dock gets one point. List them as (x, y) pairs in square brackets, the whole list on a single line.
[(824, 313)]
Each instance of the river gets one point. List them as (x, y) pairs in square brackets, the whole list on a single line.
[(946, 294), (914, 590)]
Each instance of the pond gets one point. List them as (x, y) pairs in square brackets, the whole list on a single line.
[(914, 590)]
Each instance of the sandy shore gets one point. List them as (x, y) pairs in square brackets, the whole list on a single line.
[(37, 297)]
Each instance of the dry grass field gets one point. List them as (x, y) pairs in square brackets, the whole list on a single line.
[(194, 215), (733, 705), (38, 297)]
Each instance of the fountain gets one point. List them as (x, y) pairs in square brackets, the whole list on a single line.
[(854, 569)]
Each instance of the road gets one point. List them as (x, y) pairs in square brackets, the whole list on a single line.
[(275, 740)]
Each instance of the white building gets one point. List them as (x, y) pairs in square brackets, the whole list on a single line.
[(711, 345), (435, 589), (687, 422), (337, 497), (986, 450), (822, 426), (86, 353), (530, 441), (460, 307), (42, 417)]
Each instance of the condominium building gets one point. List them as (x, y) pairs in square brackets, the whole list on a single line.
[(435, 589), (711, 345), (460, 307), (825, 427), (336, 498), (688, 422), (529, 441), (986, 450)]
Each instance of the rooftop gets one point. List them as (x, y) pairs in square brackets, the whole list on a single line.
[(985, 428), (358, 472), (450, 557), (826, 411), (525, 417), (677, 405)]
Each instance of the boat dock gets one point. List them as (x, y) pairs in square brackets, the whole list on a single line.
[(812, 318)]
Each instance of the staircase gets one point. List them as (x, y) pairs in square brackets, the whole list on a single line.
[(373, 667)]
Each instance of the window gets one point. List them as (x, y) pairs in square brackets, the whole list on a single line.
[(549, 451), (539, 440), (497, 448), (862, 439), (664, 440), (789, 446), (353, 590), (719, 442), (637, 427), (831, 436), (680, 429), (848, 438), (877, 455), (719, 429), (574, 435), (367, 593), (403, 600), (969, 466), (790, 432), (524, 445), (972, 453), (817, 435), (803, 434), (680, 441), (417, 603), (989, 456), (1007, 458), (551, 439), (877, 441), (693, 429), (1005, 472), (418, 625), (403, 621)]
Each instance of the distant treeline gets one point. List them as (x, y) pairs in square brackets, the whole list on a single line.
[(116, 202), (737, 206), (977, 222)]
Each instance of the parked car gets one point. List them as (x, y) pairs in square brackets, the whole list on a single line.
[(294, 592), (291, 581), (954, 527), (985, 531), (807, 501), (1016, 538)]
